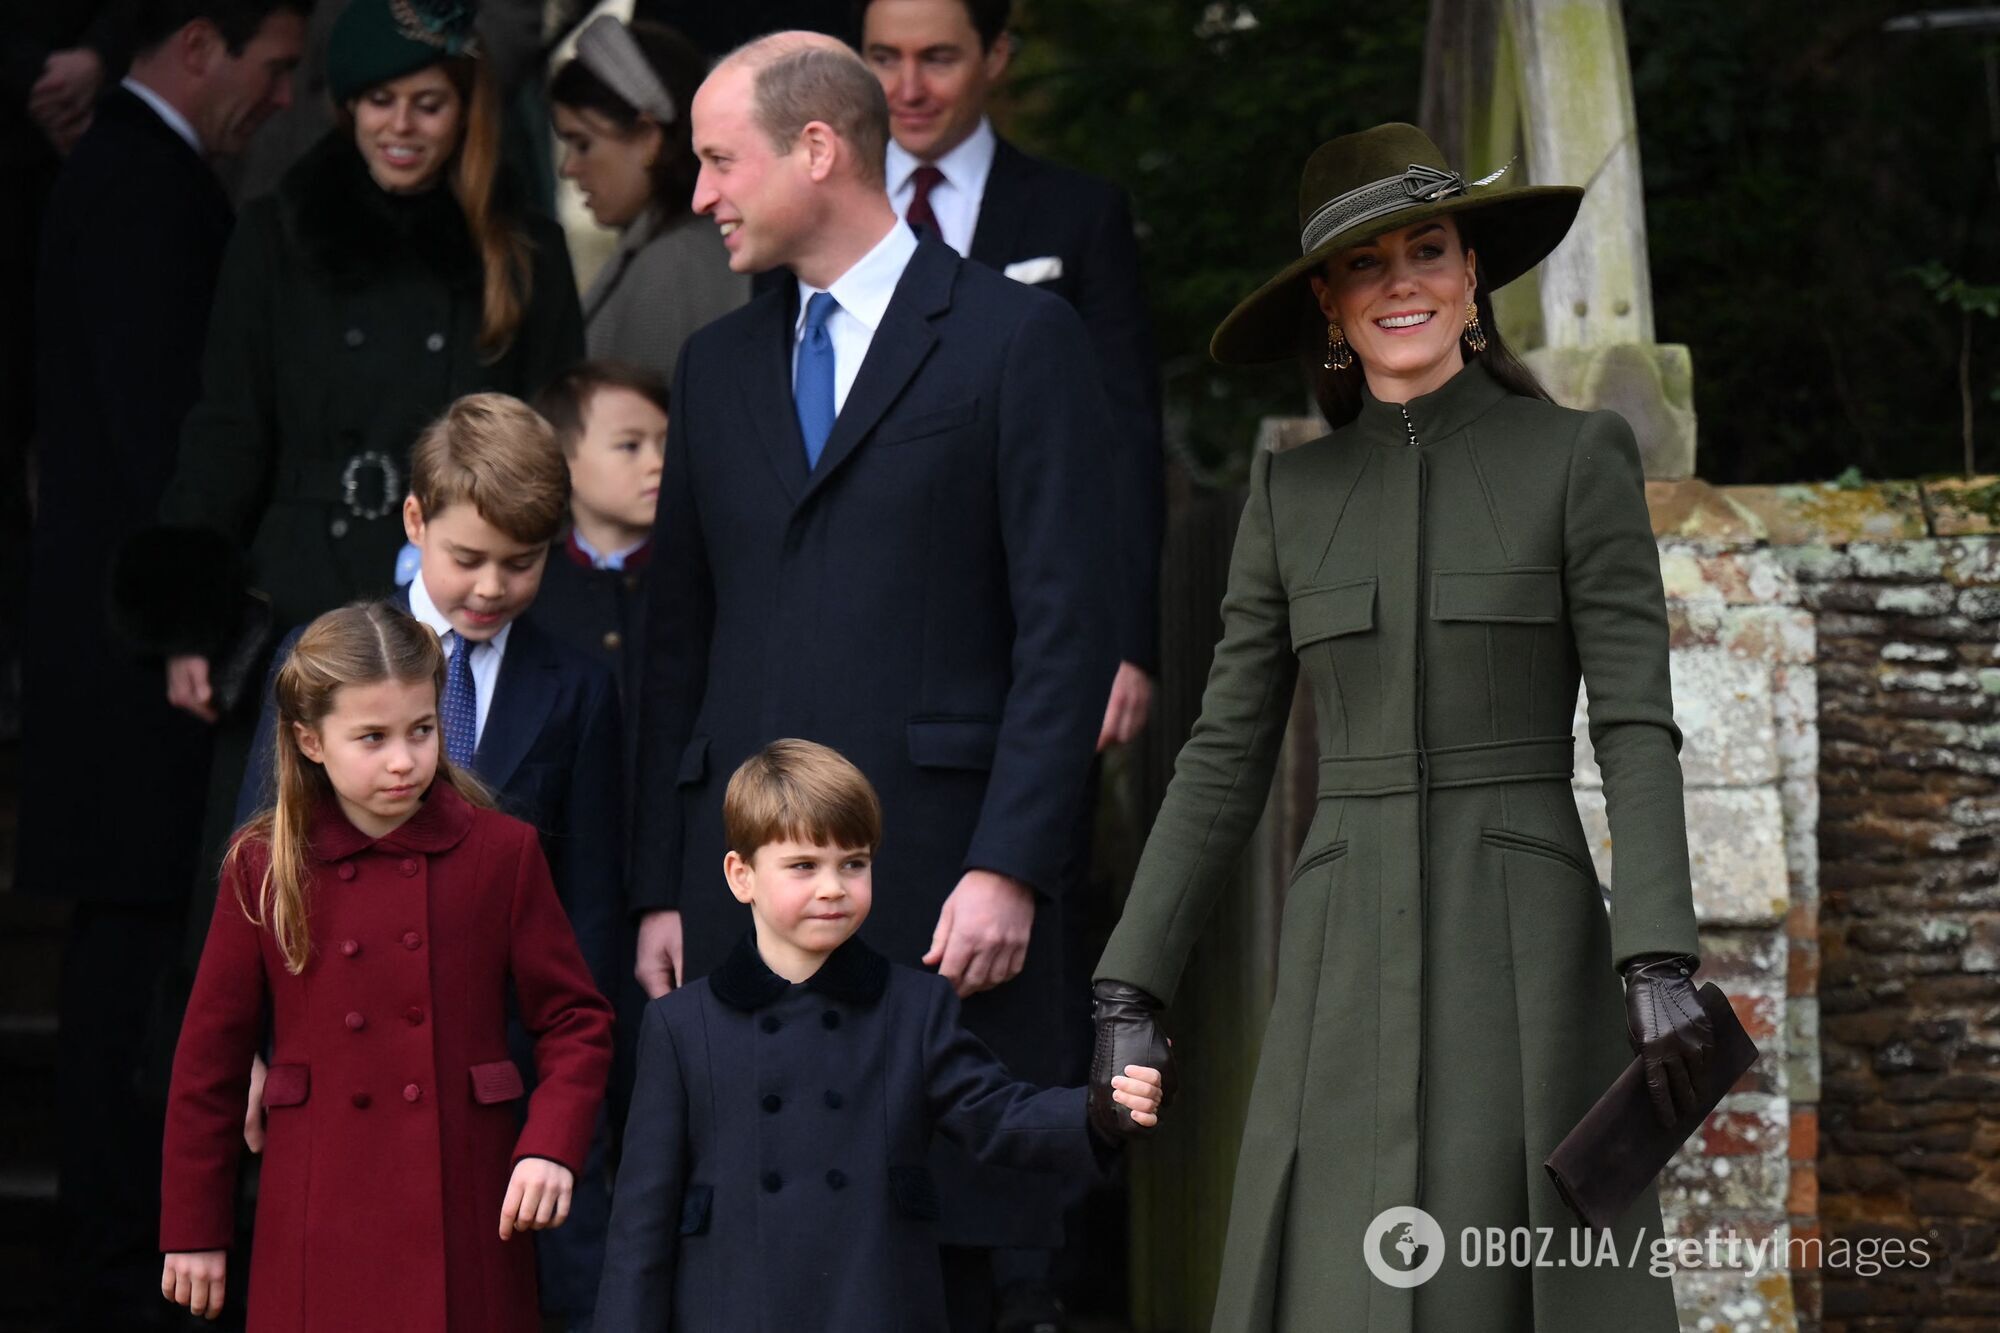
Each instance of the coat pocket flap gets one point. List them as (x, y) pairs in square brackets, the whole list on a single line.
[(928, 423), (1325, 613), (499, 1081), (915, 1192), (694, 761), (287, 1085), (695, 1205), (953, 742), (1513, 596)]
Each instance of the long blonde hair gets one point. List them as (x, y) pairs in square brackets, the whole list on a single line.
[(363, 644)]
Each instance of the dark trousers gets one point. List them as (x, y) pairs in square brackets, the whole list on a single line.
[(117, 1040)]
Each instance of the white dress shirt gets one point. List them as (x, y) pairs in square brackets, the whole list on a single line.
[(165, 111), (955, 199), (485, 656), (600, 559), (862, 295)]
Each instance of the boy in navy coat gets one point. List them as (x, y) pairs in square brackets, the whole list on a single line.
[(534, 719), (774, 1172)]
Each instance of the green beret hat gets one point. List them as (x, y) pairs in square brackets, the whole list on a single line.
[(374, 41)]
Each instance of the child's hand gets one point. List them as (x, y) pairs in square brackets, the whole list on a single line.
[(537, 1196), (253, 1112), (1138, 1090), (195, 1279)]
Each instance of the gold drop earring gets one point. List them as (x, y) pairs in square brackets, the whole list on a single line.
[(1475, 336), (1339, 356)]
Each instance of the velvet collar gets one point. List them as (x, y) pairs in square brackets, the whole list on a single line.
[(439, 824), (853, 973)]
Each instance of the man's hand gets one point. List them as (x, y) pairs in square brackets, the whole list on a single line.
[(195, 1279), (187, 686), (537, 1197), (1130, 704), (662, 960), (63, 97), (981, 938), (253, 1113)]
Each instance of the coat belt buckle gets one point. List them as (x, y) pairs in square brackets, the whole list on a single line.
[(350, 483)]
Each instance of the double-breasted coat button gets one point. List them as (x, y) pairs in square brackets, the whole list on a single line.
[(411, 1092), (338, 527), (772, 1101), (612, 638), (435, 342), (411, 939), (409, 867), (769, 1022), (361, 1101), (349, 948), (355, 1022), (836, 1179), (834, 1101), (414, 1014), (354, 338), (773, 1182), (830, 1020), (346, 870)]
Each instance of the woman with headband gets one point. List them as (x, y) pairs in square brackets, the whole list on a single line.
[(621, 113)]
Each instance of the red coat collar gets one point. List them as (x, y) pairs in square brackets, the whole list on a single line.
[(439, 824)]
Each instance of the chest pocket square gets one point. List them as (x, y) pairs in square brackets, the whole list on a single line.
[(1046, 269)]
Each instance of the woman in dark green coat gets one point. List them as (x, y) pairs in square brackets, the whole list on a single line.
[(1445, 566), (388, 274)]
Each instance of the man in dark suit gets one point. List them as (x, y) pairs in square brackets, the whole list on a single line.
[(879, 528), (134, 237), (1047, 226)]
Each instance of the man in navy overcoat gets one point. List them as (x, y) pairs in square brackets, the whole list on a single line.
[(882, 526)]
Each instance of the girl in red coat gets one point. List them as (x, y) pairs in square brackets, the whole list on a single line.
[(371, 924)]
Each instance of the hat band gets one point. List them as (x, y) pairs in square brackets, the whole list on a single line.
[(1378, 199)]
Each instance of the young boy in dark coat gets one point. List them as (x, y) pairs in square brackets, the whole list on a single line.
[(774, 1173)]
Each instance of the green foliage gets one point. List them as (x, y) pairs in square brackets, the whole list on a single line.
[(1206, 112), (1952, 290)]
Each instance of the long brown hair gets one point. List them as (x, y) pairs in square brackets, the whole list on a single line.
[(1338, 392), (502, 245), (363, 644)]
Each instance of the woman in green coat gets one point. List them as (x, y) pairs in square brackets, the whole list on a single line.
[(1445, 566), (390, 272)]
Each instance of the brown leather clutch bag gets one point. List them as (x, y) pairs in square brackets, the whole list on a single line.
[(1620, 1146)]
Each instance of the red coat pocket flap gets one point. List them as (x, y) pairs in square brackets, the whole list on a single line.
[(499, 1081), (286, 1085)]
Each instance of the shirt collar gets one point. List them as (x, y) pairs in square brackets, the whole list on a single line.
[(865, 289), (625, 557), (853, 973), (165, 110), (428, 615), (965, 167)]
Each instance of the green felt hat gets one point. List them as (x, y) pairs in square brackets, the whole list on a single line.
[(1361, 185), (374, 41)]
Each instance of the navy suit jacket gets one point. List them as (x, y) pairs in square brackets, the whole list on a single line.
[(929, 601), (774, 1172), (1034, 209), (550, 753)]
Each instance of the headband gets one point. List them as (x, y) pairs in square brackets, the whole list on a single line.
[(607, 49)]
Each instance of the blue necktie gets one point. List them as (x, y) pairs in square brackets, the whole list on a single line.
[(812, 383), (460, 705)]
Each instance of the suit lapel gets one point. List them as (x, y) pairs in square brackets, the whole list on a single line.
[(522, 697), (896, 351), (1003, 208), (767, 388)]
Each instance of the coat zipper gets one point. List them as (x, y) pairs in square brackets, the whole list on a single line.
[(1423, 796)]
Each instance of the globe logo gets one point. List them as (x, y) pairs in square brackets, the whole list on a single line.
[(1404, 1247)]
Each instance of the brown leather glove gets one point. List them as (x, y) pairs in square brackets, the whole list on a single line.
[(1669, 1031), (1128, 1033)]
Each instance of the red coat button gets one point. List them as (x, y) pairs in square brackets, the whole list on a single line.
[(348, 948), (355, 1022), (411, 1092), (361, 1101), (411, 939), (414, 1014), (346, 870), (409, 867)]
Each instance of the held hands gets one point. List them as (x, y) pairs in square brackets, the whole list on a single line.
[(981, 938), (196, 1279), (1128, 1039), (662, 960), (537, 1197), (1126, 712), (1669, 1031)]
